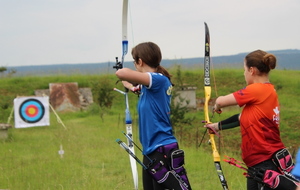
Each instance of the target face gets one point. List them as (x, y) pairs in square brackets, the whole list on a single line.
[(31, 111)]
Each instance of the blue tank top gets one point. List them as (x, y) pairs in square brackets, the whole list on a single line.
[(155, 128)]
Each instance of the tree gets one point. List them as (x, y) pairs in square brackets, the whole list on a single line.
[(179, 109), (103, 94), (3, 69)]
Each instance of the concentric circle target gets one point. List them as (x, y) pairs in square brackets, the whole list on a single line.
[(31, 111)]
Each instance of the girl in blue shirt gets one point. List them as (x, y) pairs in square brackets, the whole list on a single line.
[(165, 169)]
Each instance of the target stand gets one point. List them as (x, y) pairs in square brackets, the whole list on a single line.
[(3, 130)]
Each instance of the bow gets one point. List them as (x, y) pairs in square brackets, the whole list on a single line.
[(128, 121), (207, 93)]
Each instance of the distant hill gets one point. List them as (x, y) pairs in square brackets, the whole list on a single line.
[(287, 59)]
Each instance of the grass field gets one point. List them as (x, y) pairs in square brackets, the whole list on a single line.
[(93, 160)]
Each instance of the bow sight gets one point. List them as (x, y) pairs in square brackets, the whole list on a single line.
[(118, 64)]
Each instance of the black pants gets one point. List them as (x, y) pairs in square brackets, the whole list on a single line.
[(164, 159), (254, 185), (148, 182)]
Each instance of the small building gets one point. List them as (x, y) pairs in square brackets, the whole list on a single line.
[(186, 96)]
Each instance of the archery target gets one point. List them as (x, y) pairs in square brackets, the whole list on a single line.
[(31, 111)]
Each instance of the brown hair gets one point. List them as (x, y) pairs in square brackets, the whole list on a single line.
[(150, 53), (262, 60)]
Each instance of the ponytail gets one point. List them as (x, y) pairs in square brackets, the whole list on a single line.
[(163, 71)]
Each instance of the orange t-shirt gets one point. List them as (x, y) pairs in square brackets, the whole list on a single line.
[(259, 122)]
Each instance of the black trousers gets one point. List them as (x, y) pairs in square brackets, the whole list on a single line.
[(254, 185), (164, 159), (148, 182)]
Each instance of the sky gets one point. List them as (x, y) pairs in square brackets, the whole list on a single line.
[(46, 32)]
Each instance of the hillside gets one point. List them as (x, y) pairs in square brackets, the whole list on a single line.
[(287, 59)]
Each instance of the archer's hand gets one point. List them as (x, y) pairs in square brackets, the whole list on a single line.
[(217, 110), (126, 84), (213, 128), (135, 89)]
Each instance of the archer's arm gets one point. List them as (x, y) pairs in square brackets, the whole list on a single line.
[(224, 101), (134, 77), (231, 122)]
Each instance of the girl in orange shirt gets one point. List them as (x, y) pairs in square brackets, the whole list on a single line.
[(262, 148)]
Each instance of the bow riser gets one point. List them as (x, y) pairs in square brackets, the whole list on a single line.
[(207, 94)]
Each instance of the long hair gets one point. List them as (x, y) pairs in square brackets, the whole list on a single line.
[(150, 53), (262, 60)]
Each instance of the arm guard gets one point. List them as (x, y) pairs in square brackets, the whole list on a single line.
[(230, 122)]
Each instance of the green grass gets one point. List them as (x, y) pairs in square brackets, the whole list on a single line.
[(93, 160)]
